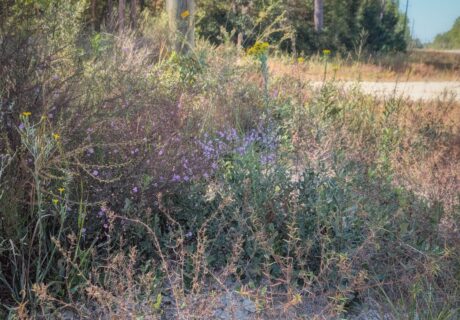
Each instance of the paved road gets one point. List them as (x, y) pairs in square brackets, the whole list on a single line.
[(412, 90)]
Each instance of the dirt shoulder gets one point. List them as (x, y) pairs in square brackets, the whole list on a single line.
[(413, 90)]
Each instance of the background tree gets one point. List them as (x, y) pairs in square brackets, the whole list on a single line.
[(449, 39), (306, 26)]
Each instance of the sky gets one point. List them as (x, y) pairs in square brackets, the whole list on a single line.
[(427, 18)]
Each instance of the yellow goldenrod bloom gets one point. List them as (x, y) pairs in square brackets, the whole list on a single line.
[(185, 14), (26, 113), (258, 49), (61, 190), (56, 136), (326, 52), (55, 201), (300, 60)]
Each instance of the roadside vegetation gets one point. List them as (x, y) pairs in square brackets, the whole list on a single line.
[(139, 183), (449, 39)]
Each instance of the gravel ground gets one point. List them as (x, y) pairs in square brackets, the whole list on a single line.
[(412, 90)]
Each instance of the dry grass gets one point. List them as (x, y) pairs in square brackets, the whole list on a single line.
[(416, 66)]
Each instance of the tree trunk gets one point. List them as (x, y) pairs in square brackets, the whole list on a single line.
[(110, 15), (133, 14), (121, 15), (382, 9), (319, 15), (93, 14), (294, 45), (181, 15)]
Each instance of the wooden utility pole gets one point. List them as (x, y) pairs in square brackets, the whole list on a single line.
[(319, 15), (405, 17), (181, 14)]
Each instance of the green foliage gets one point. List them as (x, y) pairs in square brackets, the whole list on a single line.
[(290, 24), (449, 39), (383, 28)]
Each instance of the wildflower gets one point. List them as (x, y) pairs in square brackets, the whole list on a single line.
[(43, 117), (21, 126), (185, 14), (95, 173), (55, 201), (300, 60), (135, 190), (56, 136), (61, 190), (258, 49), (26, 113), (326, 52), (176, 178)]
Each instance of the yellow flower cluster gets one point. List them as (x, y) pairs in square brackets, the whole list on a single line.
[(259, 49), (326, 52), (26, 113), (185, 14)]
